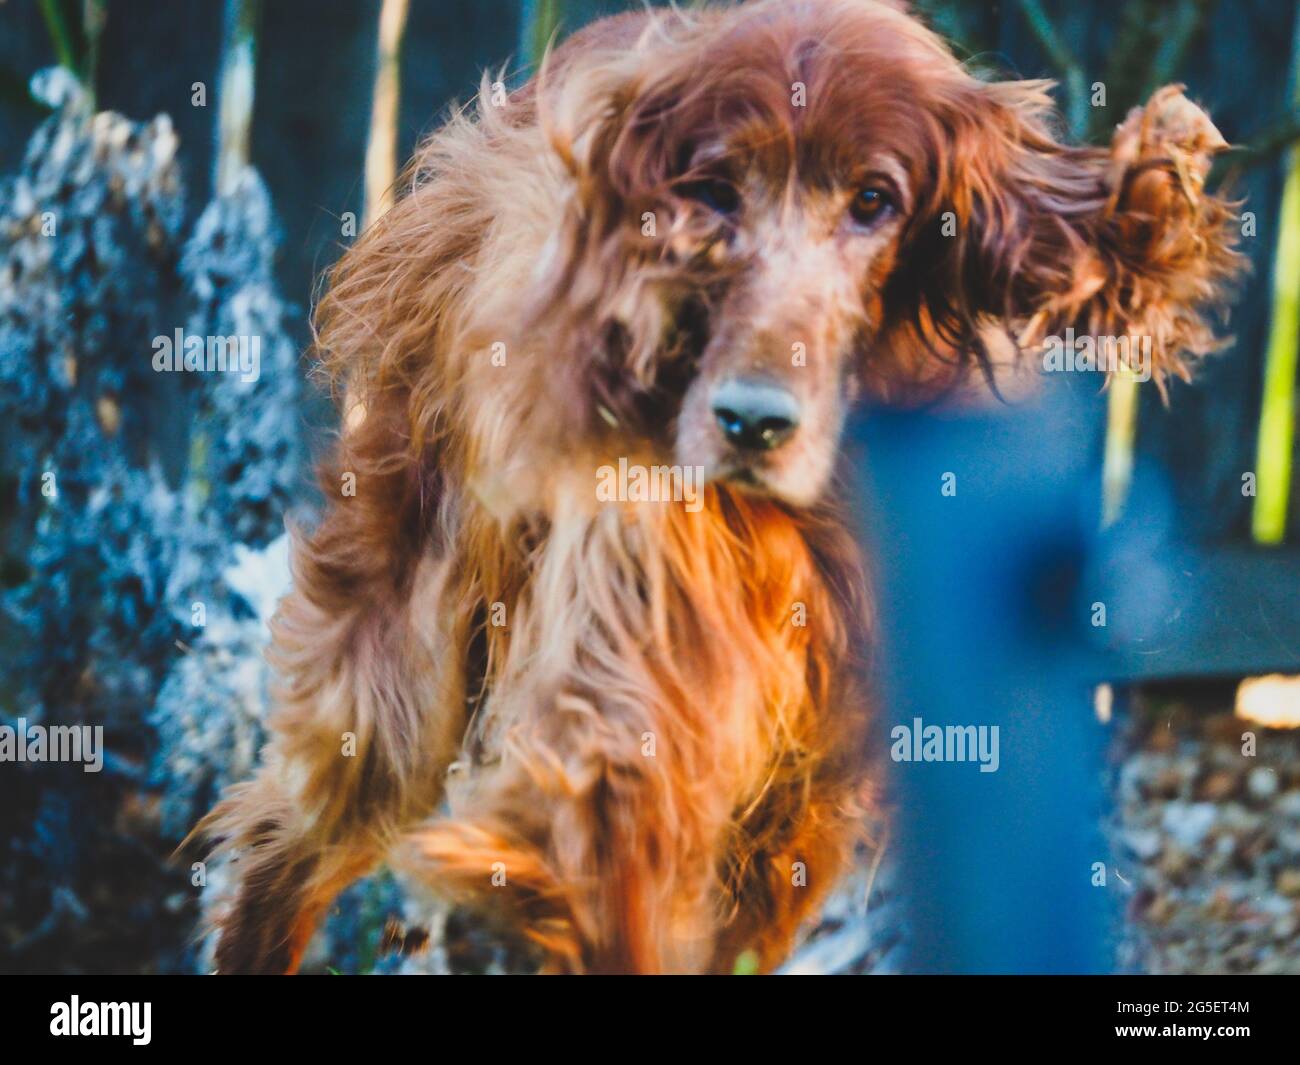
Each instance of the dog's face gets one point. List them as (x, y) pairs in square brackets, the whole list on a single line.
[(773, 208), (747, 189), (799, 257)]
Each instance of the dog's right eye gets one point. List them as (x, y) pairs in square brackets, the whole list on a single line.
[(716, 194)]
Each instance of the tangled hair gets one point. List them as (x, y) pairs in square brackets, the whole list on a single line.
[(641, 717), (1110, 242)]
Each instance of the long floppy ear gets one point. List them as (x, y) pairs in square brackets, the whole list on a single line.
[(618, 125), (1036, 237)]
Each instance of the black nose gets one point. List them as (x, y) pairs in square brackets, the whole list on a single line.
[(755, 415)]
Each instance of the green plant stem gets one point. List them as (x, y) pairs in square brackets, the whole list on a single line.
[(59, 35), (539, 22), (1277, 416), (1121, 435)]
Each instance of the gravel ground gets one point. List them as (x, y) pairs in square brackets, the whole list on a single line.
[(1205, 835), (1206, 838)]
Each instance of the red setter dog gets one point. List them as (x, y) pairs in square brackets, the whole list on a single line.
[(633, 729)]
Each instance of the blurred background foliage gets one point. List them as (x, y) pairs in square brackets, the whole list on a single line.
[(312, 113), (249, 140)]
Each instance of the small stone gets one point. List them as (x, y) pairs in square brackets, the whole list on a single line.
[(1289, 805), (1162, 739), (1175, 864), (1167, 784), (1144, 843), (1188, 822), (1220, 907), (1218, 786), (1262, 783), (1288, 883)]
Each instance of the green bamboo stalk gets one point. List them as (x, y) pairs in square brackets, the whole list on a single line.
[(539, 22), (59, 35), (1277, 418)]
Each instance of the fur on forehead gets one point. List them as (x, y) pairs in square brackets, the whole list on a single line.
[(807, 91)]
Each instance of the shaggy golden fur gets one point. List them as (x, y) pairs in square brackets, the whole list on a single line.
[(634, 731)]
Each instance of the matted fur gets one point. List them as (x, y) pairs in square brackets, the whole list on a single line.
[(649, 744)]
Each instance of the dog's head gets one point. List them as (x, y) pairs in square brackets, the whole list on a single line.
[(743, 190), (699, 236), (779, 206)]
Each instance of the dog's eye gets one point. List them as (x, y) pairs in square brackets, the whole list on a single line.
[(714, 193), (870, 205)]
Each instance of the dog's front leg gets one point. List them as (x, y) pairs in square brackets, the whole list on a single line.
[(588, 836), (370, 712)]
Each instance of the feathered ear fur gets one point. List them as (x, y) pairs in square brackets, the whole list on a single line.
[(1035, 236), (615, 273)]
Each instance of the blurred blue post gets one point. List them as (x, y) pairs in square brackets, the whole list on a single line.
[(985, 621)]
